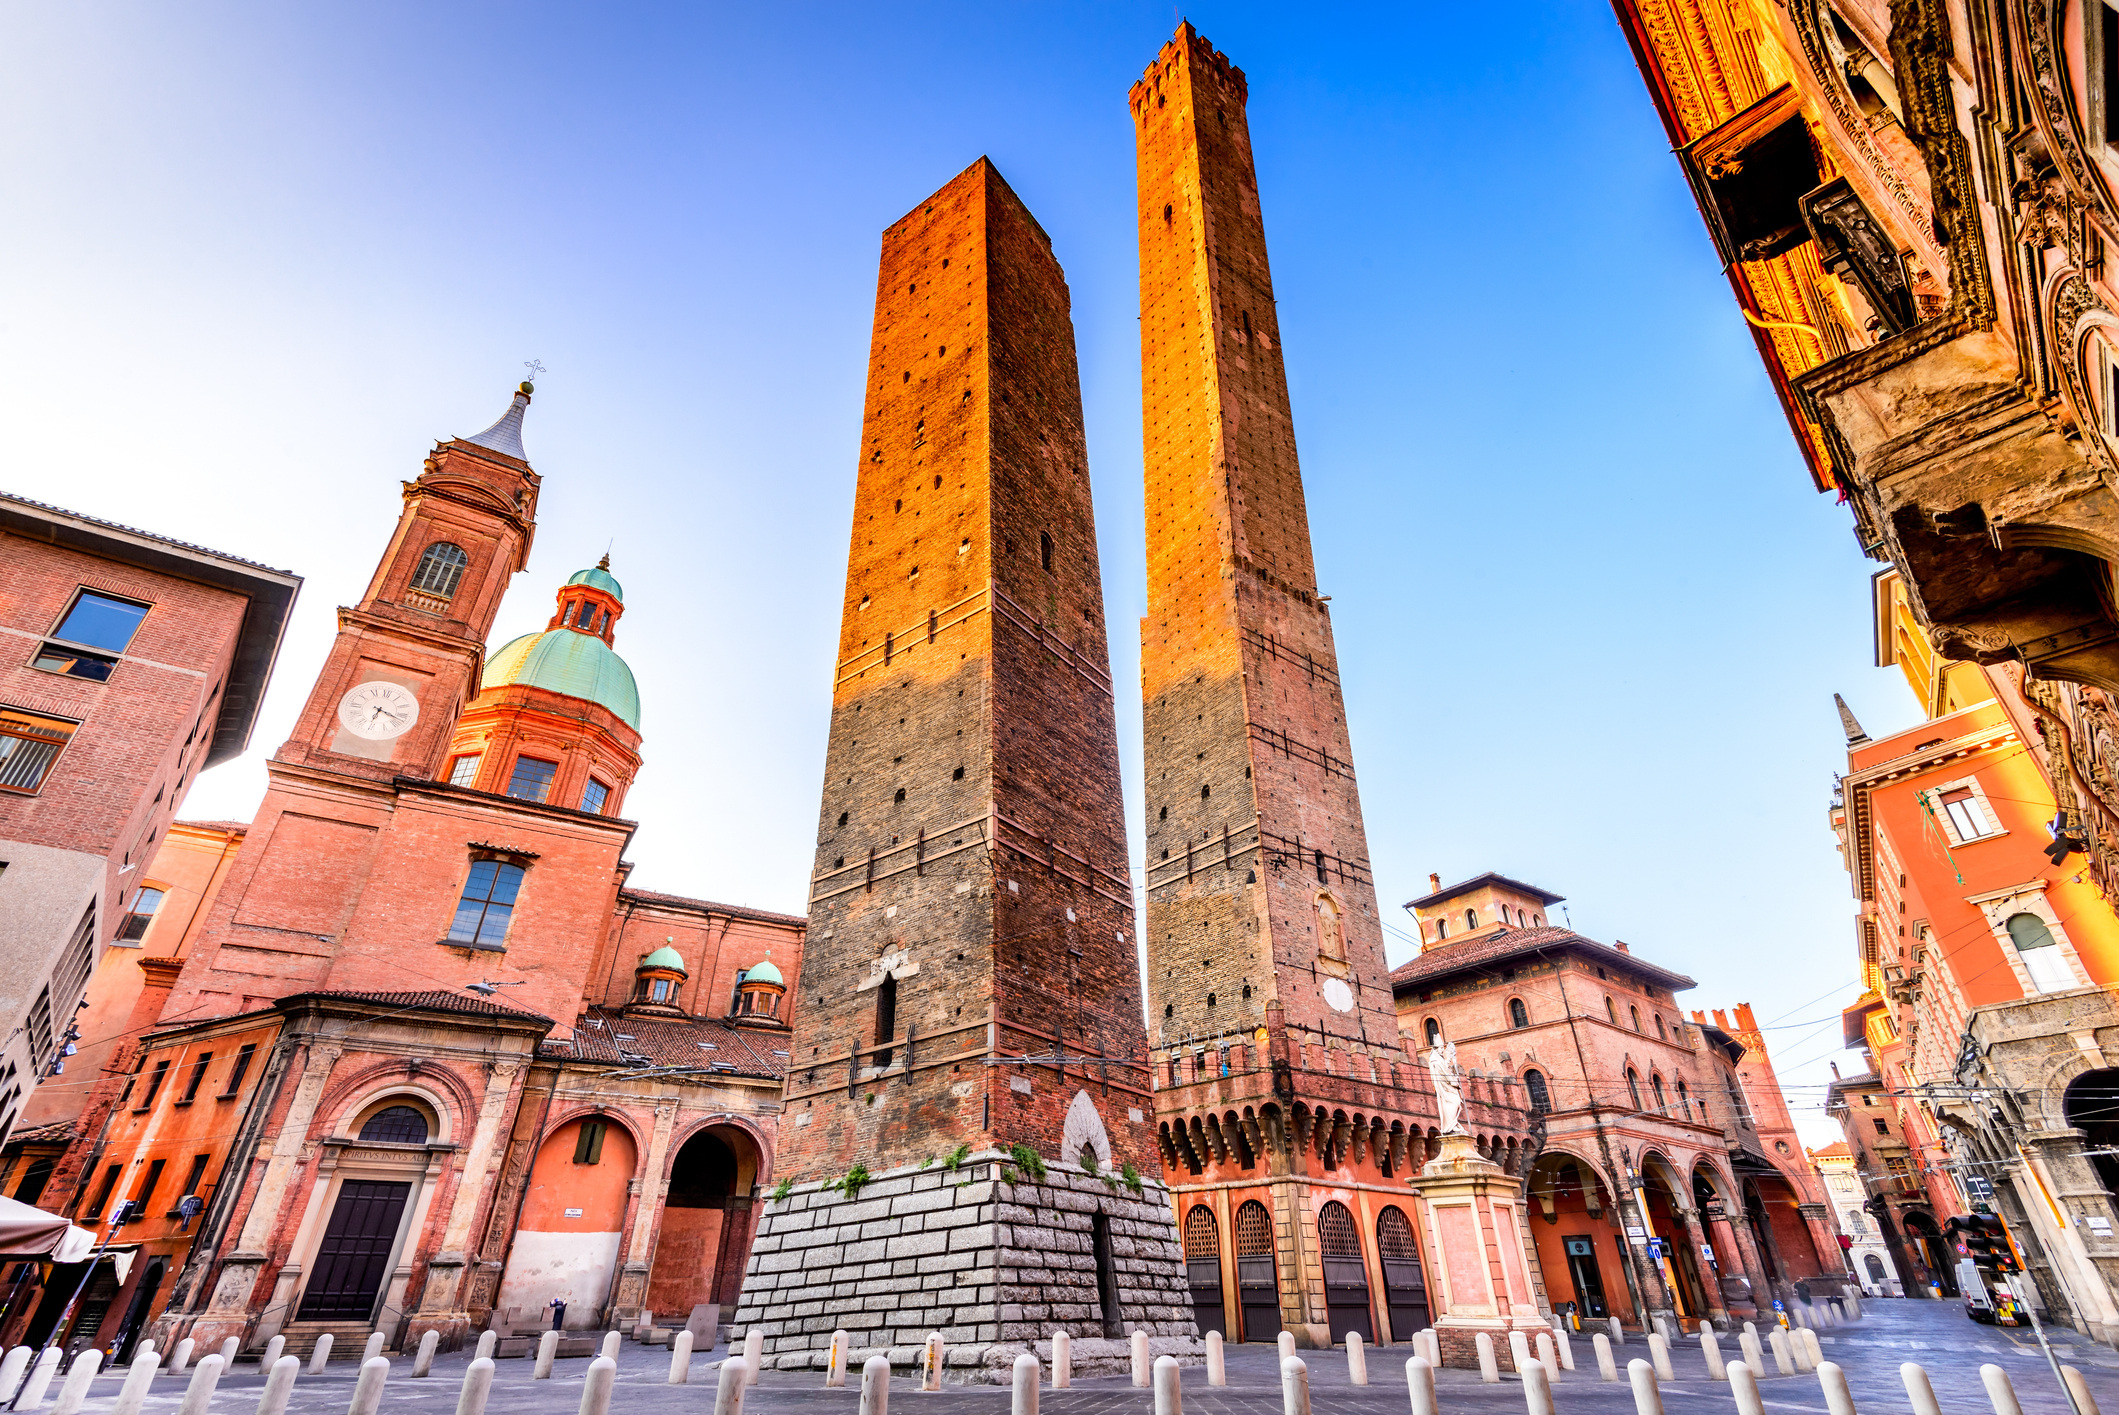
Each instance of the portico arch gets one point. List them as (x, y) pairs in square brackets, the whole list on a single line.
[(704, 1235), (566, 1242), (1578, 1251)]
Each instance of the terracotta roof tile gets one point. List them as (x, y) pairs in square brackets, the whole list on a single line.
[(433, 1000), (609, 1035), (1443, 959)]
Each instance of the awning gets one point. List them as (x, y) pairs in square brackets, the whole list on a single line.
[(32, 1233)]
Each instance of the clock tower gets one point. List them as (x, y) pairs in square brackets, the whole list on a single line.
[(409, 655)]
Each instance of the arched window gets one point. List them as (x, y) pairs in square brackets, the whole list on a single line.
[(1540, 1093), (1441, 928), (1518, 1014), (1044, 549), (1611, 1010), (1636, 1017), (1633, 1085), (1655, 1083), (441, 568), (1660, 1033), (1471, 918), (2041, 954), (1434, 1032), (1504, 914), (1684, 1100), (886, 1018), (396, 1125)]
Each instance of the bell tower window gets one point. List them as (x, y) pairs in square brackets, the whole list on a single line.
[(441, 569)]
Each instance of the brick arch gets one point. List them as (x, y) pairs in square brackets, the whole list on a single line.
[(582, 1111), (680, 1138), (344, 1095)]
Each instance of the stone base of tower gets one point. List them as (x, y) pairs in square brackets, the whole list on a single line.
[(992, 1259), (1482, 1256)]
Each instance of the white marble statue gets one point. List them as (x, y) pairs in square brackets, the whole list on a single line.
[(1449, 1095)]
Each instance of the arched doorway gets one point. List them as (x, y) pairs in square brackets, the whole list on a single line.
[(566, 1242), (1257, 1285), (1934, 1251), (704, 1233), (1404, 1285), (1725, 1269), (1346, 1275), (1572, 1234), (1203, 1269), (1680, 1262), (1875, 1265), (2091, 1105)]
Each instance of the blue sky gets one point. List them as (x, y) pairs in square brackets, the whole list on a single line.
[(1590, 612)]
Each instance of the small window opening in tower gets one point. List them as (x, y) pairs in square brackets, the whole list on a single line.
[(938, 481), (1167, 208), (898, 505), (1164, 815), (1205, 791), (886, 1020), (1044, 549), (901, 795), (957, 775), (842, 817), (1434, 1032), (1169, 1010), (1246, 324), (1320, 867)]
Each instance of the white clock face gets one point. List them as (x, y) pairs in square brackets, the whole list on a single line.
[(378, 711)]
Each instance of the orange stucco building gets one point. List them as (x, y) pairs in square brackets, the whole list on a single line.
[(406, 1052)]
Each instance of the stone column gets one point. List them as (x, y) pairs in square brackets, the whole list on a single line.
[(1469, 1239)]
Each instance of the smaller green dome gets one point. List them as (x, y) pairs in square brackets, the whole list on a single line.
[(764, 973), (666, 957), (598, 578)]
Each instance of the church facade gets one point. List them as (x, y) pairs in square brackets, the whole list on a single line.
[(417, 1058)]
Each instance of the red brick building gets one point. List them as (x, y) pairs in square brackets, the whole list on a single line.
[(415, 1058), (136, 663), (1667, 1178)]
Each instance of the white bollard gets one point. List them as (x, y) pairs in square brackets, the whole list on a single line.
[(596, 1390), (1537, 1387), (1357, 1364), (1606, 1367), (1434, 1350), (931, 1357), (1799, 1348), (1918, 1391), (1743, 1384), (1815, 1352), (611, 1342), (754, 1357), (1754, 1357), (487, 1340), (2000, 1394), (547, 1348), (1659, 1356), (1169, 1387), (681, 1360), (12, 1367), (1711, 1348), (203, 1380), (279, 1385), (139, 1379), (1751, 1329), (1618, 1333), (183, 1356), (423, 1362), (1294, 1387), (274, 1350), (1778, 1340), (1141, 1368), (875, 1389), (1838, 1399), (40, 1378), (367, 1391), (1286, 1341), (1062, 1360), (1024, 1399), (735, 1379), (478, 1384), (228, 1351), (1518, 1349), (1854, 1303), (1647, 1399), (1489, 1368), (1548, 1357), (145, 1348), (2084, 1401), (78, 1377), (1420, 1384), (320, 1355), (1567, 1351), (373, 1349), (1217, 1364), (834, 1360)]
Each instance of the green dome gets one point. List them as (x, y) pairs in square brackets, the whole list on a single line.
[(665, 957), (764, 973), (598, 578), (567, 661)]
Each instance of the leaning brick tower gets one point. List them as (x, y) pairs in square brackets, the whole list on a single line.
[(970, 1031), (1288, 1106)]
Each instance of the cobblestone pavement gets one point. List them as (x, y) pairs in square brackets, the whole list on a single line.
[(1935, 1334)]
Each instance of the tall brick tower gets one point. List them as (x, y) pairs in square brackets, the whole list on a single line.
[(971, 1030), (1272, 1025)]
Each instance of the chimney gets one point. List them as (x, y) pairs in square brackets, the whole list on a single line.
[(1621, 946), (1835, 1071), (1434, 884)]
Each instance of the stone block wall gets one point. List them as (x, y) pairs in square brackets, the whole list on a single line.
[(994, 1260)]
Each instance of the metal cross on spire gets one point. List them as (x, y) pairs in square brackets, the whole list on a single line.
[(536, 368)]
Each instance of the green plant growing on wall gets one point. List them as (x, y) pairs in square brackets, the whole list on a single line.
[(954, 1160), (1029, 1161), (780, 1190), (851, 1183), (1132, 1178)]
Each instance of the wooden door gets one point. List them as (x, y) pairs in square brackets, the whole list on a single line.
[(354, 1256), (1404, 1285), (1257, 1285), (1346, 1275), (1203, 1270)]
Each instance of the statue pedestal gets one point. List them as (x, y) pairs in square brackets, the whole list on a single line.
[(1479, 1253)]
